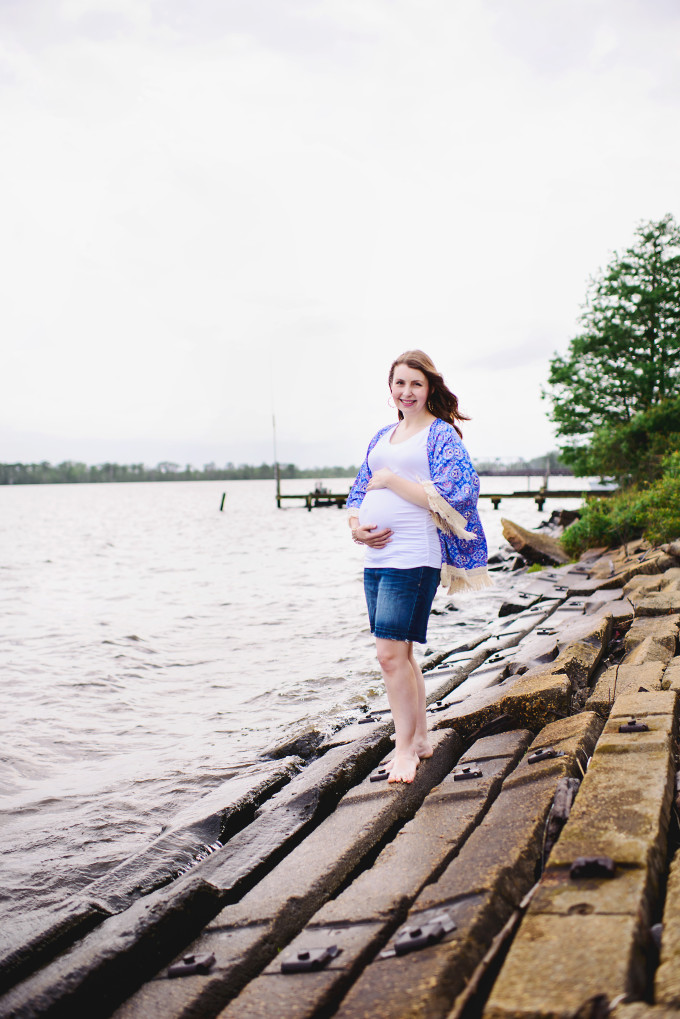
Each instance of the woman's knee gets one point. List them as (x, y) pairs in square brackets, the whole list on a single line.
[(391, 653)]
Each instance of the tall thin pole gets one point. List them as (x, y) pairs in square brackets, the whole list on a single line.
[(276, 465)]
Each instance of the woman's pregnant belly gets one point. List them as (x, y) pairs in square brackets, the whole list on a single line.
[(414, 542), (385, 509)]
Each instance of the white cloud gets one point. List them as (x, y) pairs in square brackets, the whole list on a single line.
[(259, 205)]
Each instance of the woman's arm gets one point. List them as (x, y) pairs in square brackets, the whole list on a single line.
[(454, 486), (360, 485)]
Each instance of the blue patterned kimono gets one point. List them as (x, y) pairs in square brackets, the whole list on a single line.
[(452, 496)]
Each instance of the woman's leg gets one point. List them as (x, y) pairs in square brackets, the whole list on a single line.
[(421, 742), (402, 692)]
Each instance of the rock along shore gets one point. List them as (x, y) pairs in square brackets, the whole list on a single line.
[(529, 870)]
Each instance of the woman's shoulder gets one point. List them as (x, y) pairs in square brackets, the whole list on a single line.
[(445, 444), (442, 431)]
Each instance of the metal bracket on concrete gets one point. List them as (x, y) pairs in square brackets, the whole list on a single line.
[(437, 706), (310, 959), (466, 771), (546, 754), (634, 726), (414, 938), (592, 866), (191, 965), (381, 774)]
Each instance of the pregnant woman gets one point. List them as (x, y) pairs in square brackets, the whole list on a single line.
[(414, 508)]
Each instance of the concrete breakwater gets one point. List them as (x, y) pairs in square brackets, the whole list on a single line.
[(524, 872)]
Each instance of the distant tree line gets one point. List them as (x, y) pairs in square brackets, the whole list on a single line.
[(539, 465), (72, 472)]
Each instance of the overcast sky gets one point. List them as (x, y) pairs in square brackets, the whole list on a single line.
[(219, 208)]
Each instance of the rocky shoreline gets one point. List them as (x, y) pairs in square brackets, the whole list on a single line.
[(524, 872)]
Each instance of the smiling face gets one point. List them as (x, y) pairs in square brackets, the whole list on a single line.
[(409, 390)]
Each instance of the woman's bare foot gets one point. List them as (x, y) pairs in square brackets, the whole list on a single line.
[(404, 767), (423, 748)]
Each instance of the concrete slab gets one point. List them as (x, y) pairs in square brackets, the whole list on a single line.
[(384, 892), (665, 603), (671, 676), (424, 845), (422, 985), (644, 705), (247, 935), (381, 724), (223, 812), (641, 1010), (560, 895), (478, 890), (656, 635), (109, 963), (19, 960), (643, 584), (623, 679), (304, 995), (576, 962), (667, 978), (622, 612), (535, 701), (650, 650), (532, 700), (591, 935), (623, 807), (128, 948)]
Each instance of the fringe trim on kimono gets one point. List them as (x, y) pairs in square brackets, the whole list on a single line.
[(457, 580), (447, 519)]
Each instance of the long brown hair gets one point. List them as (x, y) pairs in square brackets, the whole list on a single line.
[(440, 400)]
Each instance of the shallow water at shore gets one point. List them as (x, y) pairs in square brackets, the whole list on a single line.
[(151, 645)]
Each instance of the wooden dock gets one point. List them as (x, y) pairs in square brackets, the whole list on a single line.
[(313, 499), (320, 496), (542, 494)]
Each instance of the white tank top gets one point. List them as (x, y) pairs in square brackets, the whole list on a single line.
[(415, 541)]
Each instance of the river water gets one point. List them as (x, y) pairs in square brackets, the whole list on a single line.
[(151, 644)]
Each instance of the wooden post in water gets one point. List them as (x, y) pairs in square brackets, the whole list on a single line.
[(224, 496), (277, 473), (546, 475)]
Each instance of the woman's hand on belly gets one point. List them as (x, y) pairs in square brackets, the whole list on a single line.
[(381, 479), (368, 534), (411, 491)]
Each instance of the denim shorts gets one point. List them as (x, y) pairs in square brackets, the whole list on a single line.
[(399, 601)]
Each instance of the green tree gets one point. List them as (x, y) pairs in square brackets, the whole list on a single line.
[(633, 452), (626, 360)]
